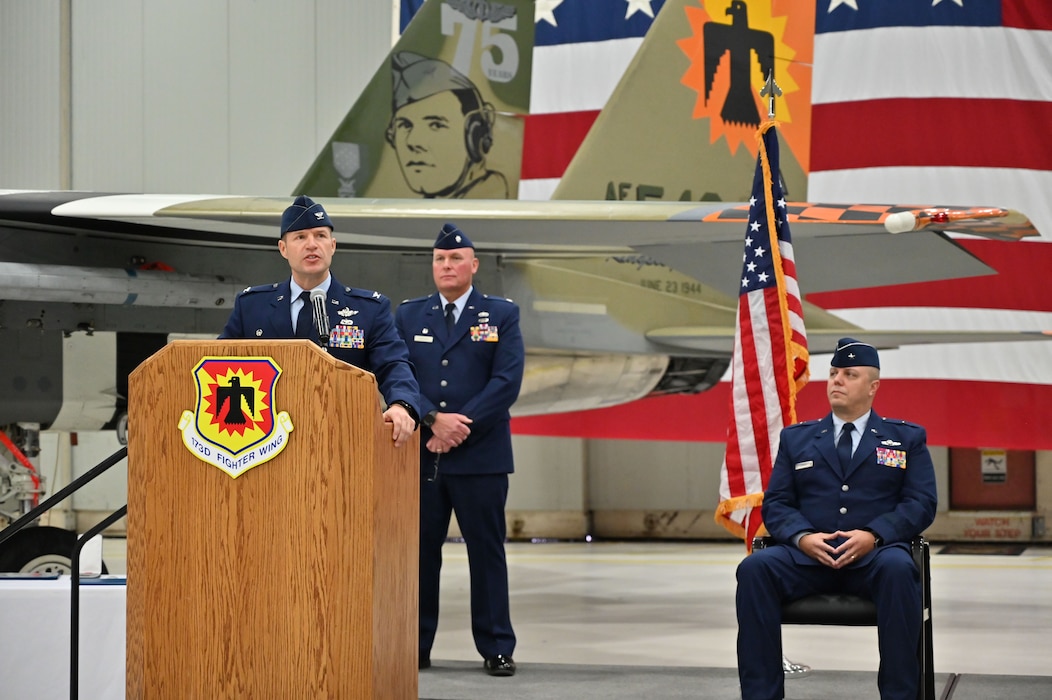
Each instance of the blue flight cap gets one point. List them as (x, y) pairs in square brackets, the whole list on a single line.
[(451, 237), (302, 214), (854, 353)]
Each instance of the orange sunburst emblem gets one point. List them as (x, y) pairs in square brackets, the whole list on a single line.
[(734, 45), (234, 426)]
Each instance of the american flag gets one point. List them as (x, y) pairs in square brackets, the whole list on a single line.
[(770, 362), (581, 50), (915, 102), (946, 102)]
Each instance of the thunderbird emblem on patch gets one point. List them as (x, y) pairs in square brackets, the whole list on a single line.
[(234, 425), (891, 458)]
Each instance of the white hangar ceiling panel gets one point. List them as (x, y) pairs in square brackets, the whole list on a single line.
[(107, 96), (31, 63)]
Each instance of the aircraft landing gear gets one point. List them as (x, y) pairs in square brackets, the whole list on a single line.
[(38, 549)]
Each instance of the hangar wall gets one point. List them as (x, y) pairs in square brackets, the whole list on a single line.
[(199, 96), (33, 101), (629, 489)]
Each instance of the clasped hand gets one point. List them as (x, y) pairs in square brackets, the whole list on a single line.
[(856, 544), (448, 431)]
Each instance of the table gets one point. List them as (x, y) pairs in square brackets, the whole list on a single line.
[(34, 640)]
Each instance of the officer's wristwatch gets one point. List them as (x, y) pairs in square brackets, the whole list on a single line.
[(408, 409), (429, 419)]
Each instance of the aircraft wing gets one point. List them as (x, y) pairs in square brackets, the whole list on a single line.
[(838, 246), (710, 339), (619, 299)]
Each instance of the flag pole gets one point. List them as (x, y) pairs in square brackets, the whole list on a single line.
[(770, 359), (771, 90)]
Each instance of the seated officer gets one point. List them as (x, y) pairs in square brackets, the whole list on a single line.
[(846, 496)]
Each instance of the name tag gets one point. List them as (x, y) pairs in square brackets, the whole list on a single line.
[(424, 338), (804, 465)]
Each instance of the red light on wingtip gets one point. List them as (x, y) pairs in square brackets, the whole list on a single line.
[(940, 217)]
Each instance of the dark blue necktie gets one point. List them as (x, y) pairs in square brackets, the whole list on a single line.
[(843, 448), (305, 319), (450, 318)]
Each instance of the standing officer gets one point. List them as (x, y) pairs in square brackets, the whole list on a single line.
[(362, 328), (469, 357), (847, 495)]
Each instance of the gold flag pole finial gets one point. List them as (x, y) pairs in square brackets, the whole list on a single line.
[(770, 91)]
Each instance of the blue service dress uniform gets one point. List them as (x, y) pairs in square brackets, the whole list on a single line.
[(363, 332), (889, 488), (477, 371)]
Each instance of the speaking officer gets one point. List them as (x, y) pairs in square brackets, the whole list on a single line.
[(361, 327), (470, 372), (847, 494)]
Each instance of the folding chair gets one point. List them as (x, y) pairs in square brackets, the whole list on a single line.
[(843, 609)]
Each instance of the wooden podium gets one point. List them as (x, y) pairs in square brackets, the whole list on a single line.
[(289, 578)]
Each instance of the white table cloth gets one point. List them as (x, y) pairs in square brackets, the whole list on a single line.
[(34, 640)]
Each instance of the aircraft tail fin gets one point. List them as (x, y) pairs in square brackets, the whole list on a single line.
[(442, 116), (681, 123)]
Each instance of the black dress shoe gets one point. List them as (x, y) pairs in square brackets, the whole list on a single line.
[(500, 665), (423, 661)]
